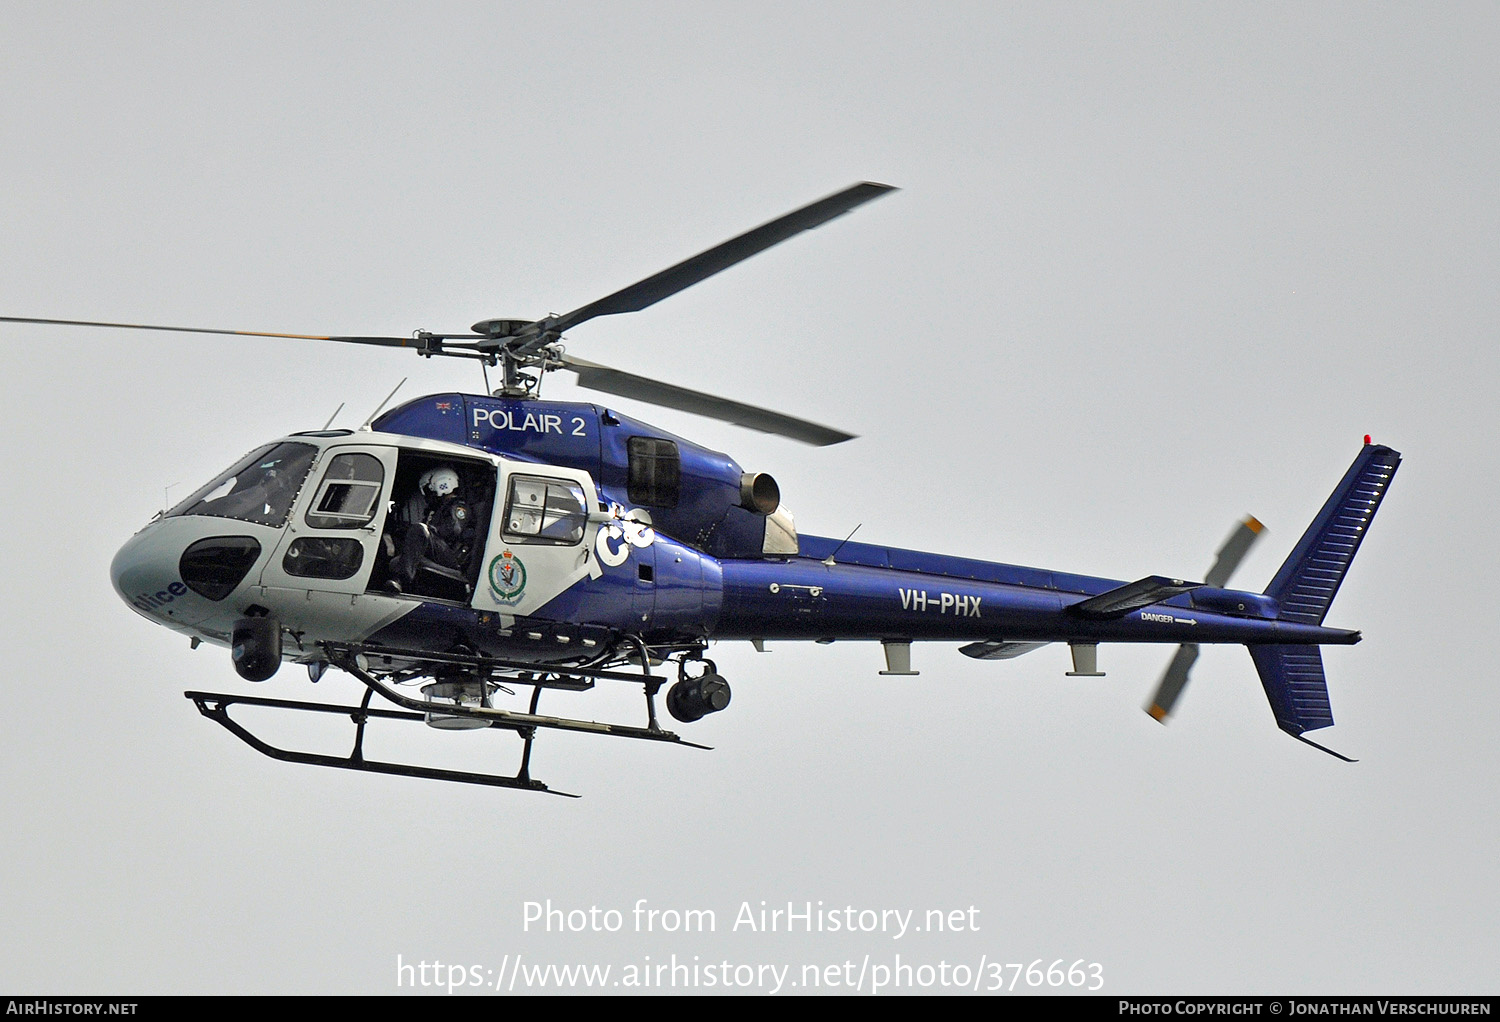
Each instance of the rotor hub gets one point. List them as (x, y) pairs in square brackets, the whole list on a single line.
[(496, 328)]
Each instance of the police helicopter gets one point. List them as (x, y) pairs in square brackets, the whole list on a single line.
[(461, 546)]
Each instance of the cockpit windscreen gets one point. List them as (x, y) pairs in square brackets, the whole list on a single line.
[(260, 487)]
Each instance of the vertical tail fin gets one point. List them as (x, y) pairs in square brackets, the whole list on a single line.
[(1293, 679), (1305, 586)]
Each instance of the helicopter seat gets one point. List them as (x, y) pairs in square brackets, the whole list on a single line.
[(421, 563)]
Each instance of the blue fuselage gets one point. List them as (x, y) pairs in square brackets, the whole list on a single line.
[(865, 594)]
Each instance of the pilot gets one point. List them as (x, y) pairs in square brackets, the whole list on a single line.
[(440, 525), (262, 494)]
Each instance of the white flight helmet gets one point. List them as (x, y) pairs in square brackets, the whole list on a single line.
[(439, 482)]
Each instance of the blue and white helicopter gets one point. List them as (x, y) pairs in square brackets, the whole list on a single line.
[(459, 546)]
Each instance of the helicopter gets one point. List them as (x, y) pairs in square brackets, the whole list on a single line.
[(461, 546)]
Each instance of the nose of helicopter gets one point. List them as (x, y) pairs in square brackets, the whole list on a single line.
[(144, 573), (160, 575)]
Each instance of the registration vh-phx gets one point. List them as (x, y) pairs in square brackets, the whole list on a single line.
[(461, 547)]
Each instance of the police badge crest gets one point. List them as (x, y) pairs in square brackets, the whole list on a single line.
[(507, 577)]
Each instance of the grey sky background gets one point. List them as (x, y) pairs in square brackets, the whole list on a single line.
[(1152, 267)]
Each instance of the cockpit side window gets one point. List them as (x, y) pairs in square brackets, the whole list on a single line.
[(347, 497), (545, 510), (260, 488)]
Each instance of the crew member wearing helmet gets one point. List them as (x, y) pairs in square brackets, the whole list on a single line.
[(440, 527)]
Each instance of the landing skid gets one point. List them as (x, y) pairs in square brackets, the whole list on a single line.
[(215, 706), (355, 660)]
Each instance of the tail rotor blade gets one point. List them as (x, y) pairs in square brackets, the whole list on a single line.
[(1233, 551), (1175, 678), (1173, 682)]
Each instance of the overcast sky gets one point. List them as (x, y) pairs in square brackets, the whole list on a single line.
[(1152, 267)]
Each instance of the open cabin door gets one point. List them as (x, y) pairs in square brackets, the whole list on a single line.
[(433, 539)]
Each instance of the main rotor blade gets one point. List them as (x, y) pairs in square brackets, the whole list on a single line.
[(388, 342), (644, 293), (1233, 551), (613, 381)]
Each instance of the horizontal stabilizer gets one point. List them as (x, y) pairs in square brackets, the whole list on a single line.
[(1132, 596), (998, 650)]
